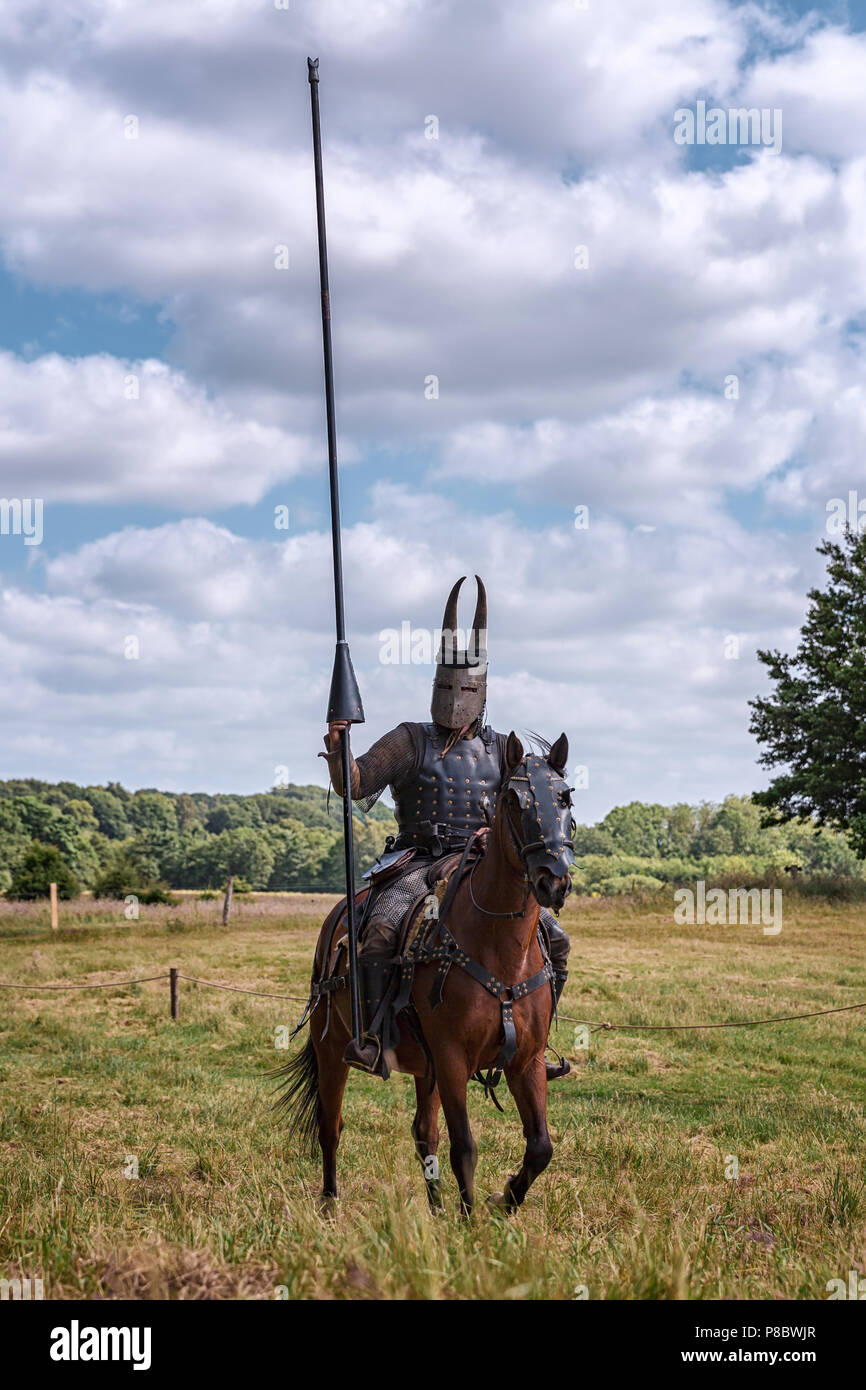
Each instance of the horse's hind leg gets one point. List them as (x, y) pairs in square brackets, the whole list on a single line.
[(425, 1132), (529, 1089), (329, 1116)]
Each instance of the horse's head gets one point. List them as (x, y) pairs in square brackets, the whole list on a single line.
[(536, 803)]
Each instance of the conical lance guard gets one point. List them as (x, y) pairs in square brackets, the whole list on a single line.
[(344, 700)]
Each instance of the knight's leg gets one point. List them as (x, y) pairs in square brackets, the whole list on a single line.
[(375, 973), (559, 949)]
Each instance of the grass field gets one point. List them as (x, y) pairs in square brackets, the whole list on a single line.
[(636, 1203)]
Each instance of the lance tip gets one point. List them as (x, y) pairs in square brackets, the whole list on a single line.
[(313, 69)]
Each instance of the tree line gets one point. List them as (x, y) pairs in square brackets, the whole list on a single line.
[(114, 841), (647, 845)]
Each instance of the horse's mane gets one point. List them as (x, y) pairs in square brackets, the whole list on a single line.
[(540, 745)]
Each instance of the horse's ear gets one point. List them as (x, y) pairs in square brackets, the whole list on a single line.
[(513, 753), (558, 755)]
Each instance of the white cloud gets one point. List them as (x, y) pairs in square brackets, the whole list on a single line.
[(819, 88), (95, 430), (614, 635)]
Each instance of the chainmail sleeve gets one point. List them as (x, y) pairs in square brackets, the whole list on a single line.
[(390, 759)]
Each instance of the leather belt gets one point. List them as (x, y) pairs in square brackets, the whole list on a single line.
[(436, 839)]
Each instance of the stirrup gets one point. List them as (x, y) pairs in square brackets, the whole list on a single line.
[(352, 1058), (555, 1070)]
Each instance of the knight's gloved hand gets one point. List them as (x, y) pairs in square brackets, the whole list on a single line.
[(332, 737)]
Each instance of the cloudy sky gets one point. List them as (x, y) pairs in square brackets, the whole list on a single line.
[(670, 336)]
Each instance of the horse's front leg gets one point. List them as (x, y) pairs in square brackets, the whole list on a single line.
[(425, 1132), (529, 1088), (453, 1078)]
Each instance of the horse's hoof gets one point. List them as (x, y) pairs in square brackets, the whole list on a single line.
[(503, 1201), (434, 1195), (329, 1204)]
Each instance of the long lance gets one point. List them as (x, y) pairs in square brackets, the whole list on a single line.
[(344, 700)]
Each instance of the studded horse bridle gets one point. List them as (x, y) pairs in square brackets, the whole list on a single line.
[(530, 807)]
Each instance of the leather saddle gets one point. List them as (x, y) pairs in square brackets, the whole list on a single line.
[(416, 923)]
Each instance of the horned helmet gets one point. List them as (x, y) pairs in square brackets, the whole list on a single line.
[(460, 683)]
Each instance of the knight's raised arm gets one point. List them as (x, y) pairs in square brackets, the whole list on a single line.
[(389, 760)]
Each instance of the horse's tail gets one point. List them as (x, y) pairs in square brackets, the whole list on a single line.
[(300, 1099)]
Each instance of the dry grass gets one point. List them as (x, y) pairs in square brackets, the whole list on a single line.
[(636, 1204)]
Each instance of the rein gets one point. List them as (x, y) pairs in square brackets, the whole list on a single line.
[(522, 851), (486, 910)]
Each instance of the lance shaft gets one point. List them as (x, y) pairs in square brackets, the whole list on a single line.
[(344, 700)]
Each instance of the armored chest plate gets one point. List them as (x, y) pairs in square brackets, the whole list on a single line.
[(449, 791)]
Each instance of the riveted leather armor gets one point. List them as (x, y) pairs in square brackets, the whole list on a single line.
[(441, 801)]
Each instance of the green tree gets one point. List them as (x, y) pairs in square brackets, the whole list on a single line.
[(121, 874), (188, 819), (230, 816), (14, 841), (293, 858), (41, 866), (124, 874), (679, 830), (814, 722), (82, 813), (153, 813), (592, 839), (638, 828), (369, 841), (243, 852), (36, 816), (110, 812), (740, 820)]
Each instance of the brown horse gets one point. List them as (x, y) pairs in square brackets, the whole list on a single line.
[(491, 923)]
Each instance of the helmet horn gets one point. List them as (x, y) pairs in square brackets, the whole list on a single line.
[(479, 622), (449, 622)]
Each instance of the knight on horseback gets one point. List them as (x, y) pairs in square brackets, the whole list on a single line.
[(444, 777)]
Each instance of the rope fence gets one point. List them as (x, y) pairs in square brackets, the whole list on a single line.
[(239, 989), (98, 984), (174, 976), (699, 1027)]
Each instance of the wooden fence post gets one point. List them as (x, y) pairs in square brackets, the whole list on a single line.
[(172, 984), (52, 888), (227, 905)]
